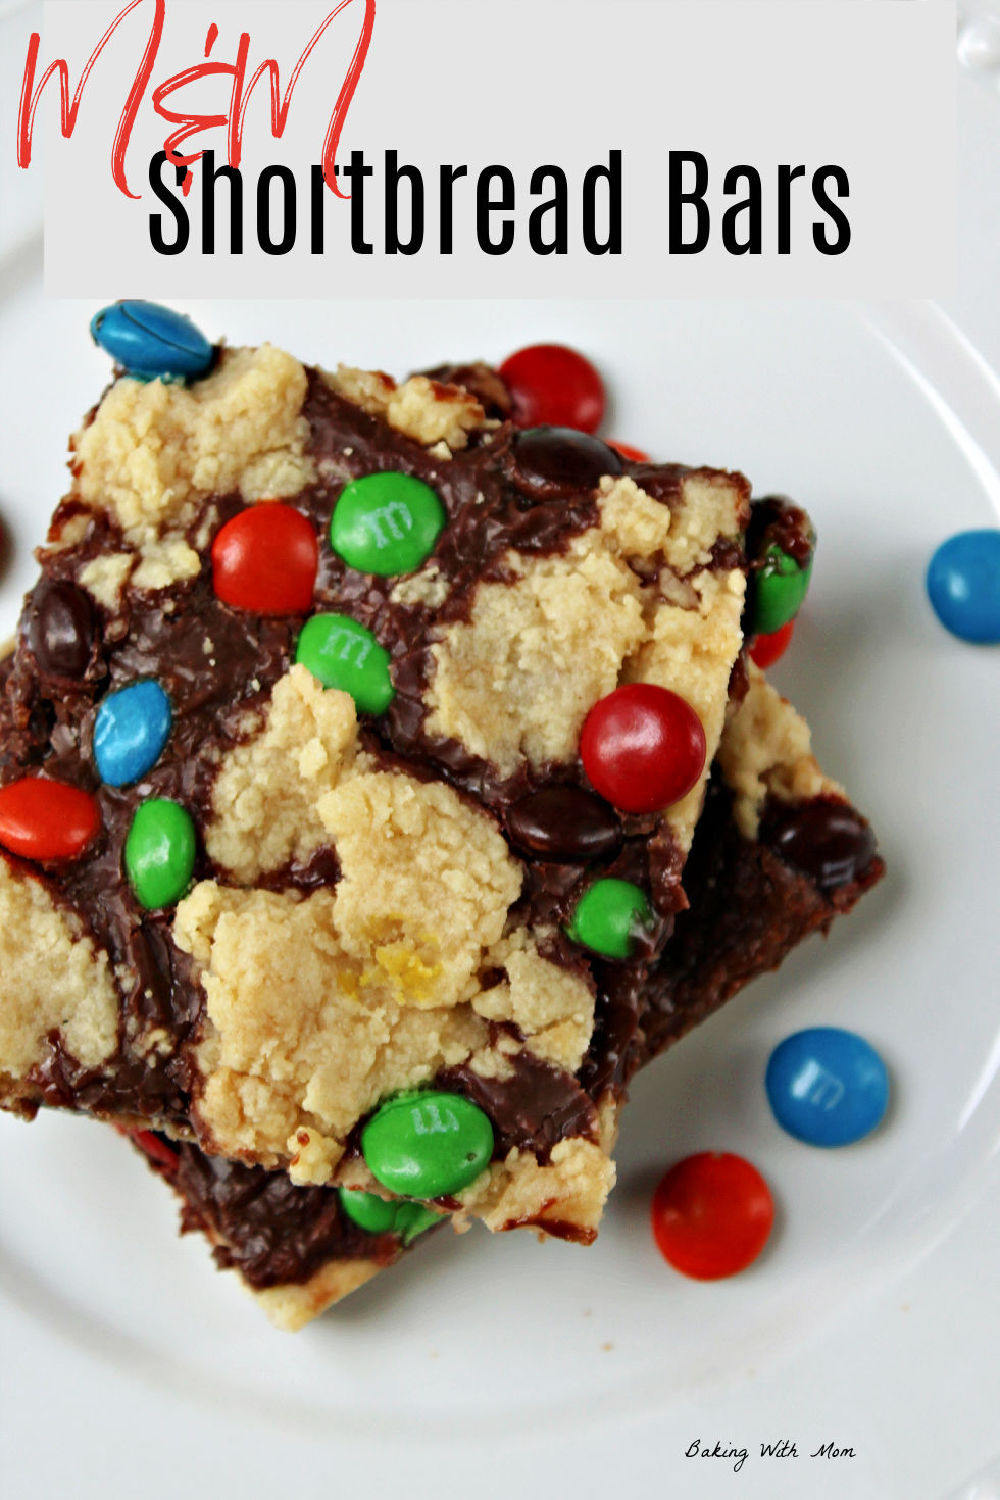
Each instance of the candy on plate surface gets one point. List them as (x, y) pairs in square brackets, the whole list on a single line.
[(712, 1215), (963, 582), (827, 1086)]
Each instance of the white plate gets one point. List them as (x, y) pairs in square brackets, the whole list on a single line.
[(495, 1366), (484, 1338)]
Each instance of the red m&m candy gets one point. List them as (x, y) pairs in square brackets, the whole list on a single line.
[(157, 1150), (265, 560), (712, 1214), (642, 747), (767, 649), (552, 386), (633, 455), (47, 820)]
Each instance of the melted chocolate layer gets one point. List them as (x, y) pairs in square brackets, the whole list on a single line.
[(273, 1233), (536, 1107)]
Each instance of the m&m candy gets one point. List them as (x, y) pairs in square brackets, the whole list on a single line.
[(427, 1145), (777, 590), (152, 342), (264, 560), (386, 523), (630, 454), (343, 654), (47, 820), (642, 747), (377, 1215), (711, 1215), (130, 731), (154, 1147), (62, 627), (160, 852), (564, 824), (551, 462), (767, 649), (550, 384), (826, 1086), (825, 838), (371, 1213), (963, 582), (608, 917)]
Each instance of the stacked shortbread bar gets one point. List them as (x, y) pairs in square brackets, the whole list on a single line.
[(382, 785)]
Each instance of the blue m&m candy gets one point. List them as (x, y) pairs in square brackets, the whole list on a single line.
[(152, 342), (130, 732), (963, 582), (827, 1087)]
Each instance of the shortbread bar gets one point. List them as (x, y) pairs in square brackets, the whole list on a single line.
[(298, 809)]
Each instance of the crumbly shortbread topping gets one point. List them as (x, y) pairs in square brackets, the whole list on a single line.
[(516, 682), (54, 981), (767, 751), (154, 449), (551, 1007), (266, 795), (319, 1007), (420, 409), (691, 652)]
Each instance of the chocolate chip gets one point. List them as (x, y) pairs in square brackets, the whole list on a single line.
[(61, 629), (548, 461), (564, 823), (825, 839)]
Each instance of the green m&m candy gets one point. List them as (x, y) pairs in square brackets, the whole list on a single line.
[(607, 916), (413, 1219), (777, 591), (160, 852), (377, 1215), (343, 654), (428, 1144), (371, 1213), (386, 523)]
